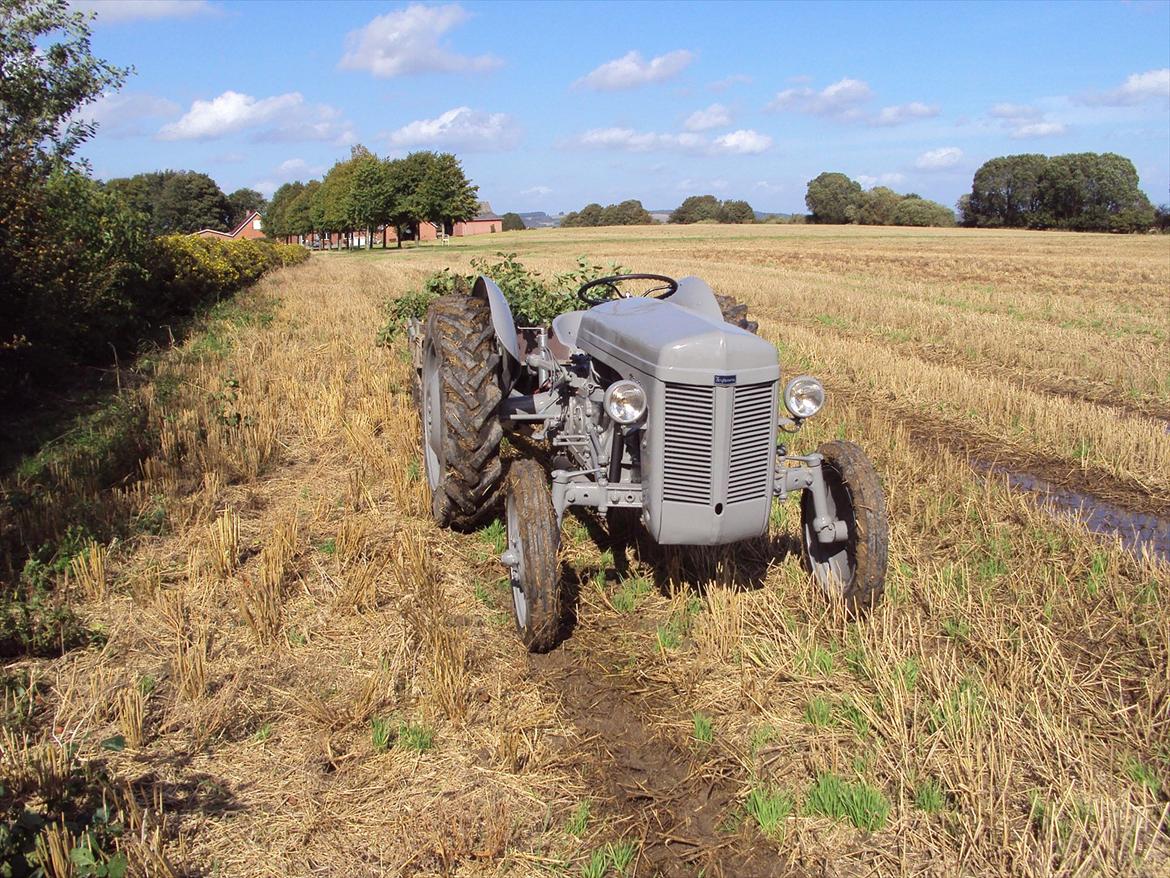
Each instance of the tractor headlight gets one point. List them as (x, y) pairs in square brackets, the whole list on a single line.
[(804, 396), (625, 402)]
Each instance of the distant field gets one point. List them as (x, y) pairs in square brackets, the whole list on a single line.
[(336, 687)]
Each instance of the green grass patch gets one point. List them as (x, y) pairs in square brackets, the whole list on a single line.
[(703, 730), (579, 819), (819, 712), (770, 808), (929, 796), (630, 594), (494, 535), (838, 799), (1144, 776)]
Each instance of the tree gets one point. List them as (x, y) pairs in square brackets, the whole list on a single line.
[(190, 201), (1006, 191), (695, 209), (404, 177), (590, 215), (921, 212), (277, 223), (331, 207), (736, 212), (371, 196), (49, 73), (301, 213), (1094, 192), (878, 206), (513, 222), (833, 198), (242, 202), (445, 195)]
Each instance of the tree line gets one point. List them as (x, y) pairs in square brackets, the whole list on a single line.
[(1084, 192), (709, 209), (833, 197), (179, 202), (365, 193), (628, 213)]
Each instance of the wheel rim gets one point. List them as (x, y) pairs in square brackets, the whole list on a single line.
[(516, 572), (832, 563), (432, 422)]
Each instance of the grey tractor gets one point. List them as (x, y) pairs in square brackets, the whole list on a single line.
[(659, 399)]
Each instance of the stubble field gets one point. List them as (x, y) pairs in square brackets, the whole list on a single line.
[(312, 679)]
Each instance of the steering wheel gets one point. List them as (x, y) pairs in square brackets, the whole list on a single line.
[(669, 285)]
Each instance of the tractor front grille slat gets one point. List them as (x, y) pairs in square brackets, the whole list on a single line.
[(753, 433), (688, 441)]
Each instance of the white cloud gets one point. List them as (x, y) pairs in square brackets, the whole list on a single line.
[(743, 142), (460, 128), (1014, 111), (842, 99), (639, 141), (939, 159), (631, 71), (1153, 85), (891, 178), (285, 117), (728, 81), (407, 41), (715, 116), (125, 114), (538, 191), (901, 113), (1037, 129), (109, 11), (1023, 121)]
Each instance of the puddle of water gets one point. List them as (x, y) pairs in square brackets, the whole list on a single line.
[(1137, 531)]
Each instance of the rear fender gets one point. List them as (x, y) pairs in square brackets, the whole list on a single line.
[(503, 324)]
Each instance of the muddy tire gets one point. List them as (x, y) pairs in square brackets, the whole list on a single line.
[(853, 570), (458, 401), (736, 313), (533, 565)]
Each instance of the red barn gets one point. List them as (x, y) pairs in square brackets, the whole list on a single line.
[(251, 227)]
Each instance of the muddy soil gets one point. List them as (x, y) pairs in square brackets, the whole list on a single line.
[(683, 804)]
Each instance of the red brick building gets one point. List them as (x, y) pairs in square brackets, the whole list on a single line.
[(251, 227)]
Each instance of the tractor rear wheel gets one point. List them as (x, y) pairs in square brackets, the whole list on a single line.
[(854, 569), (531, 556), (736, 313), (459, 396)]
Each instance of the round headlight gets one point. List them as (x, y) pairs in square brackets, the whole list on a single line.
[(625, 401), (804, 396)]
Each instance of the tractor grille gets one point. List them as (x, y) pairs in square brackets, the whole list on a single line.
[(753, 433), (689, 436)]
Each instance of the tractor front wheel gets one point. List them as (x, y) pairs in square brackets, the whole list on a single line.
[(531, 556), (852, 570)]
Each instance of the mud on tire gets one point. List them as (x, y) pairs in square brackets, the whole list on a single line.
[(534, 542), (736, 313), (458, 401), (853, 571)]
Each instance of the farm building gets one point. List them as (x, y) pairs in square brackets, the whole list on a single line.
[(251, 227), (484, 222)]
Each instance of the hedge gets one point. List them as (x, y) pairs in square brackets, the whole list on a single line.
[(75, 307), (184, 271)]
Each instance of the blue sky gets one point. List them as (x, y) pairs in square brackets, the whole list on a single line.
[(552, 105)]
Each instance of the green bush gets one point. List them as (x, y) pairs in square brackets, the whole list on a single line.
[(534, 300)]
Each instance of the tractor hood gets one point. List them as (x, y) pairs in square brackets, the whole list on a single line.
[(675, 343)]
